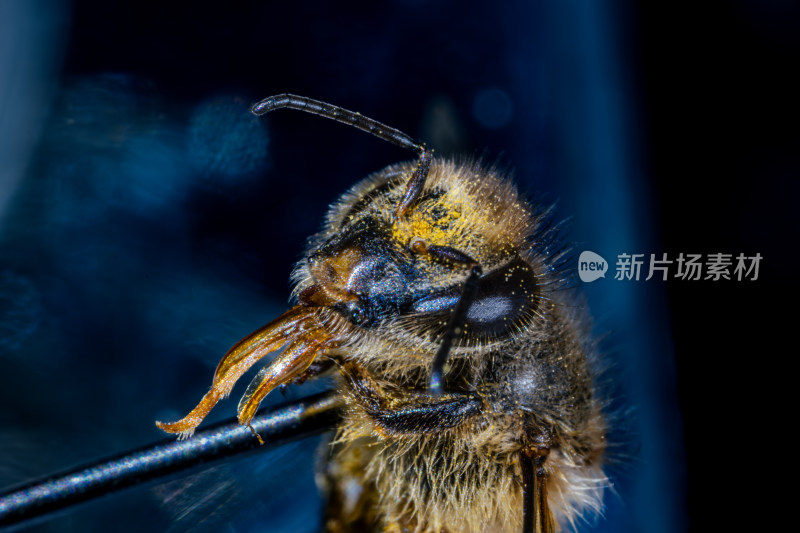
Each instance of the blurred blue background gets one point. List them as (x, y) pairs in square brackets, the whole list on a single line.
[(147, 221)]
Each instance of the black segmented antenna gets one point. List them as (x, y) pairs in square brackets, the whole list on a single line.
[(300, 103), (357, 120)]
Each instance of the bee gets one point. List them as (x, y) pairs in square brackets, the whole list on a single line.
[(469, 395)]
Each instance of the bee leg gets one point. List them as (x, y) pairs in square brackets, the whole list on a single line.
[(401, 412), (352, 502), (537, 517)]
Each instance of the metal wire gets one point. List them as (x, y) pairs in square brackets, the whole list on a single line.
[(299, 419)]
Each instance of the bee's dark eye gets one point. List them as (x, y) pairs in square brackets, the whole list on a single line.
[(507, 298), (491, 309)]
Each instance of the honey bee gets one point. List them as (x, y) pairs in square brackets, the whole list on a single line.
[(433, 295)]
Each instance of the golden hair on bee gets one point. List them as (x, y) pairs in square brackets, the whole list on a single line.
[(466, 380)]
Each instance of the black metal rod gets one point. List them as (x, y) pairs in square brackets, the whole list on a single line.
[(299, 419)]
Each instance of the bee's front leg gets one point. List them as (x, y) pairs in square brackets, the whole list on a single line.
[(396, 412)]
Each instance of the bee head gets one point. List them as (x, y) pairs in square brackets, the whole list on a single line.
[(405, 273), (359, 273)]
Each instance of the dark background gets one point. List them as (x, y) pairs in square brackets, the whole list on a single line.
[(147, 222)]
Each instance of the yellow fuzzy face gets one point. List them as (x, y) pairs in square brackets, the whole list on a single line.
[(462, 206), (432, 221)]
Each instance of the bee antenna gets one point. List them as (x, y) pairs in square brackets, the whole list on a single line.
[(300, 103)]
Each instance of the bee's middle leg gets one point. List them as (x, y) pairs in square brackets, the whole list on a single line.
[(397, 412)]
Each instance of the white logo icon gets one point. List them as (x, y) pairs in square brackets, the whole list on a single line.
[(591, 266)]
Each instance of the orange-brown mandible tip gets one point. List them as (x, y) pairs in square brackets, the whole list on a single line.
[(186, 426)]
